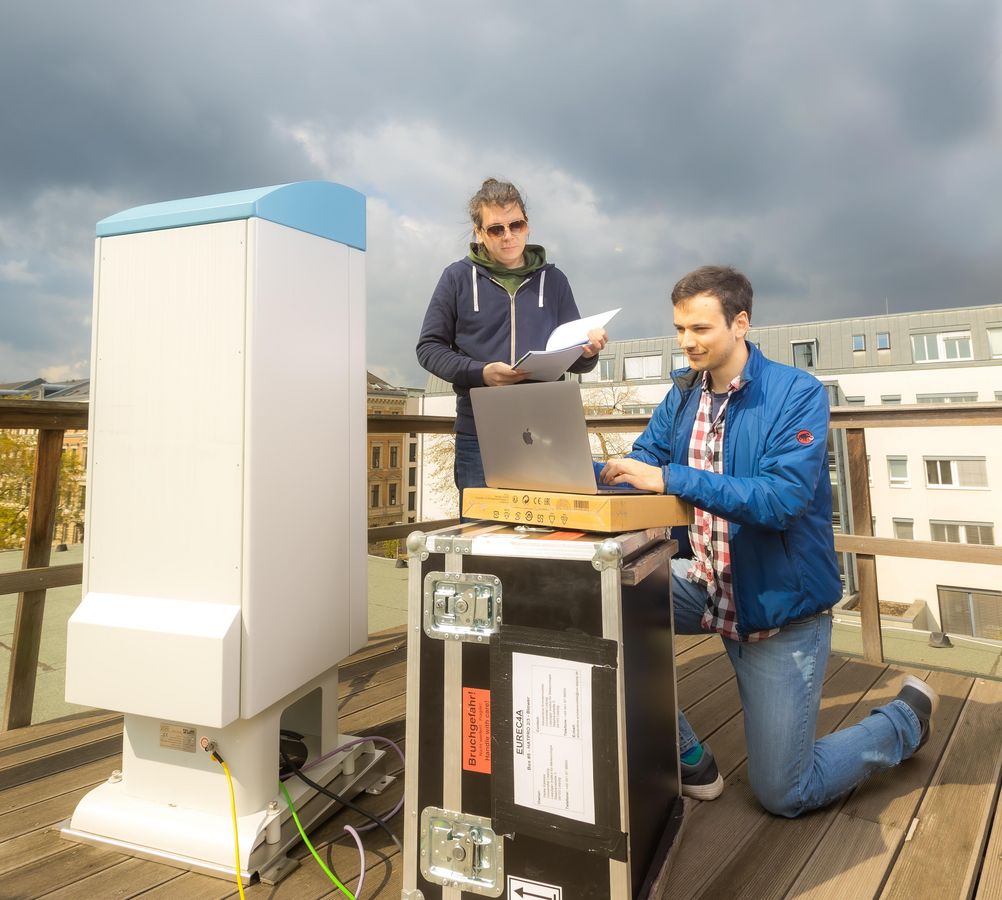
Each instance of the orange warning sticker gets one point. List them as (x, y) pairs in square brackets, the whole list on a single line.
[(477, 730)]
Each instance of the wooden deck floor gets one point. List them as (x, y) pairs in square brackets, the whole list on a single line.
[(927, 829)]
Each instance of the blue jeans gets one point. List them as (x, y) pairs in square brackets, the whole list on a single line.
[(468, 469), (779, 681)]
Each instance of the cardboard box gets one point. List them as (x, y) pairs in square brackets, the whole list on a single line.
[(589, 512)]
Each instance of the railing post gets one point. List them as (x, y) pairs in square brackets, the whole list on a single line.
[(866, 564), (31, 604)]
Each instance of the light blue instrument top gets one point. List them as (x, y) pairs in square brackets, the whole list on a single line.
[(323, 208)]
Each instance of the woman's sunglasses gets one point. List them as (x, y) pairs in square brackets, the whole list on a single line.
[(516, 227)]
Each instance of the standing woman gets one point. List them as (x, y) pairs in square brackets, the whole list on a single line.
[(489, 308)]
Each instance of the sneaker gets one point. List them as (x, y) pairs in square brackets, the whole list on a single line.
[(923, 700), (701, 780)]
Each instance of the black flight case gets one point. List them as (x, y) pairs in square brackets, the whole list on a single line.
[(542, 736)]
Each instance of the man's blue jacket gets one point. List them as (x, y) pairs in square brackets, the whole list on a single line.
[(774, 492)]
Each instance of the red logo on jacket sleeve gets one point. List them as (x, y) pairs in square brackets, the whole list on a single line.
[(805, 437)]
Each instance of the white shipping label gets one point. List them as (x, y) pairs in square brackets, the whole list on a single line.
[(552, 736)]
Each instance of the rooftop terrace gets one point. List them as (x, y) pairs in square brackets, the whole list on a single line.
[(925, 829)]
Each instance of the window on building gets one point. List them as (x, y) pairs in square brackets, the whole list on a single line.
[(639, 409), (883, 340), (946, 346), (411, 477), (963, 532), (966, 472), (855, 401), (995, 342), (412, 452), (904, 529), (393, 487), (858, 342), (970, 611), (374, 496), (946, 398), (998, 395), (643, 366), (604, 371), (377, 452), (394, 457), (411, 501), (678, 360), (890, 399), (805, 354), (591, 376), (897, 471)]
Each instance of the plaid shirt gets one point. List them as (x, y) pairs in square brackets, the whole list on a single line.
[(711, 549)]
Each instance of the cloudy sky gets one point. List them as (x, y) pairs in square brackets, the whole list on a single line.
[(846, 155)]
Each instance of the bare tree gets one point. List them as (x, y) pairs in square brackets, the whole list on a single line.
[(610, 400), (439, 460)]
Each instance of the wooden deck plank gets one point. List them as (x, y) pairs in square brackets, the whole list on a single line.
[(360, 675), (941, 858), (684, 642), (38, 878), (774, 857), (14, 757), (838, 853), (40, 815), (128, 878), (85, 721), (736, 812), (852, 871), (706, 679), (371, 696), (696, 656), (26, 848), (80, 776), (884, 798), (852, 859), (990, 882), (52, 764)]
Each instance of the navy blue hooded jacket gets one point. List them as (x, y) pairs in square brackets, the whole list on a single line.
[(775, 491), (472, 321)]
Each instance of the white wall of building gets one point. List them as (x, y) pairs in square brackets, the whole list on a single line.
[(907, 580)]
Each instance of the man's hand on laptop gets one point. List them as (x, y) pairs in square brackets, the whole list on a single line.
[(497, 373), (597, 339), (632, 471)]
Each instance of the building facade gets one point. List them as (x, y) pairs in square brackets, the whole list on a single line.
[(392, 464)]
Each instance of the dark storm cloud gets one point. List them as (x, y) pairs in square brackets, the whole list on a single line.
[(840, 153)]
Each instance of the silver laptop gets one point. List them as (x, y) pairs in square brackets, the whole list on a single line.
[(533, 437)]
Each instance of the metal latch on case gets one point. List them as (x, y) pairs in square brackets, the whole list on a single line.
[(463, 606), (461, 850)]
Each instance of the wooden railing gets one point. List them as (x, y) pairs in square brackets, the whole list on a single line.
[(53, 419)]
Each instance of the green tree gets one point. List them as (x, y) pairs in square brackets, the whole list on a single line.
[(17, 462)]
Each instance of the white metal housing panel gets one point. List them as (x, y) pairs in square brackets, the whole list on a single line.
[(356, 434), (304, 554), (170, 659), (166, 438)]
